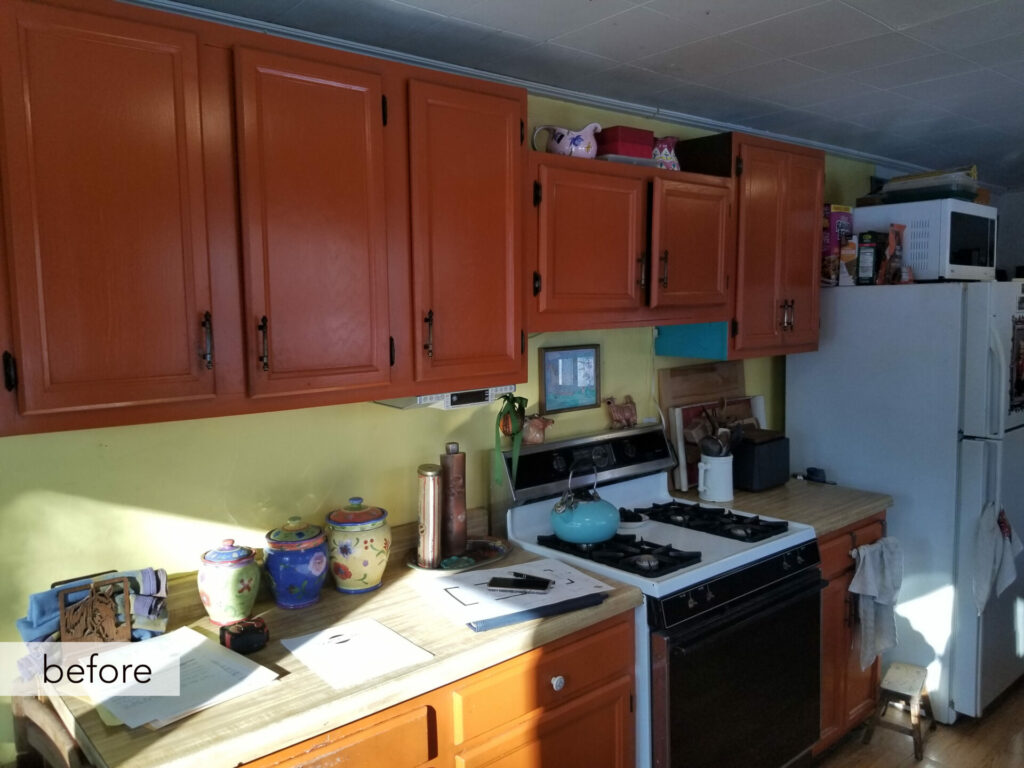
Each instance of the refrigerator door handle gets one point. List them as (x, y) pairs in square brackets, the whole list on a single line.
[(999, 406)]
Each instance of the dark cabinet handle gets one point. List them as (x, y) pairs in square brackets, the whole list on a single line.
[(792, 314), (664, 270), (429, 346), (642, 266), (207, 354), (263, 326)]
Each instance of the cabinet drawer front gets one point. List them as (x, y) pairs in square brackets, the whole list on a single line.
[(835, 552), (530, 681)]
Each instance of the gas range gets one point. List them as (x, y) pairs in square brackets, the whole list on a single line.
[(700, 567)]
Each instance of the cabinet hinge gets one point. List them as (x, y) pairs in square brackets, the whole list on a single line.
[(10, 372), (739, 165), (536, 283), (522, 342), (735, 328), (384, 108), (391, 350), (536, 193), (522, 132)]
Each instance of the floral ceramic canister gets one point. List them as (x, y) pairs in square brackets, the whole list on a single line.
[(229, 579), (360, 540), (296, 562)]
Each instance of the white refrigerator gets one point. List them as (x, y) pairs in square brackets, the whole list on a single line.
[(918, 391)]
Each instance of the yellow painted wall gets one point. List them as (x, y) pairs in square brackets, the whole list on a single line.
[(159, 495)]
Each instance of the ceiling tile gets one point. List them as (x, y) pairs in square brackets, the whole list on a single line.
[(914, 70), (631, 35), (998, 51), (819, 26), (465, 44), (904, 13), (380, 22), (710, 103), (629, 84), (446, 7), (716, 16), (838, 90), (542, 19), (1014, 70), (704, 59), (552, 64), (868, 53), (970, 28), (979, 86), (773, 75)]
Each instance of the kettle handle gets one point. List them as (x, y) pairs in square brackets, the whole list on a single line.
[(593, 490), (533, 143)]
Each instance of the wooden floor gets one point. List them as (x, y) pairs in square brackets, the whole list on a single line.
[(994, 741)]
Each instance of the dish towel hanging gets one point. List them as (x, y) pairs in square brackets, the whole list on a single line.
[(995, 547), (877, 581)]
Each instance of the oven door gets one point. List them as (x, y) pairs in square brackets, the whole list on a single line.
[(741, 688)]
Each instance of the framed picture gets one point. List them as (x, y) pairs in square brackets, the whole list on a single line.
[(570, 378)]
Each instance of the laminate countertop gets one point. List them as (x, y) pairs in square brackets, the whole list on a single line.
[(300, 705), (828, 508)]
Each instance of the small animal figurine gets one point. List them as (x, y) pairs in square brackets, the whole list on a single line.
[(534, 426), (623, 415)]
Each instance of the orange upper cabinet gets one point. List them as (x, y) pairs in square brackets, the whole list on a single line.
[(104, 208), (466, 174), (621, 245), (779, 199), (311, 171), (690, 246)]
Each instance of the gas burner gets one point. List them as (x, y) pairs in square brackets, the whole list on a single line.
[(717, 521), (628, 553)]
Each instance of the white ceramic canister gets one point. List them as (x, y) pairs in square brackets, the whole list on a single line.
[(360, 541), (714, 478), (228, 580)]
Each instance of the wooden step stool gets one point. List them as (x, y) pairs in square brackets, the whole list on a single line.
[(903, 683)]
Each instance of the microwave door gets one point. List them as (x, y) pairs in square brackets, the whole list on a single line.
[(972, 240)]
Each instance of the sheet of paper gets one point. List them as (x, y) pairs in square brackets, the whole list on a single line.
[(464, 597), (209, 674), (352, 653)]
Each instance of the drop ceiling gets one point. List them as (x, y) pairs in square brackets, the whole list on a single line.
[(905, 83)]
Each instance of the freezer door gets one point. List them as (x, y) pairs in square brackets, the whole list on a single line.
[(993, 359), (987, 650)]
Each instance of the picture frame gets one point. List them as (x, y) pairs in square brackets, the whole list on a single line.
[(570, 378)]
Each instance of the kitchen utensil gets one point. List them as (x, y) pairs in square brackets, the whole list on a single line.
[(710, 446), (725, 438), (360, 540), (228, 580), (583, 517), (296, 561), (562, 141)]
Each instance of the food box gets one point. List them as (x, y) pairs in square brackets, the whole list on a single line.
[(836, 231), (623, 140)]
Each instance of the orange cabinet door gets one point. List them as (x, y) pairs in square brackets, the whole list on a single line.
[(759, 310), (591, 244), (690, 247), (311, 167), (466, 168), (835, 644), (594, 730), (801, 254), (105, 209)]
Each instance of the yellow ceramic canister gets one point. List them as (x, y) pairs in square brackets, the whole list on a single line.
[(360, 541)]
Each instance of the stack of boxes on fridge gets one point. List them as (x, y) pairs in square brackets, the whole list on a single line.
[(838, 247)]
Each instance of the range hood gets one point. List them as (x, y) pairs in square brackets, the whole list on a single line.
[(449, 400)]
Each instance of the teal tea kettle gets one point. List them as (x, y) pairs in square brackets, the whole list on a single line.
[(583, 517)]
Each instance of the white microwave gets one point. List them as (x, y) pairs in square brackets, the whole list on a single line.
[(944, 239)]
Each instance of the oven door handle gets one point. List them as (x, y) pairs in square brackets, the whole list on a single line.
[(755, 610)]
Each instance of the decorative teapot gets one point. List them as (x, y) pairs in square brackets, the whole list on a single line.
[(586, 518), (562, 141)]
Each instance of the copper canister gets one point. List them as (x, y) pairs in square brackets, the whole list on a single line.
[(453, 505), (428, 548)]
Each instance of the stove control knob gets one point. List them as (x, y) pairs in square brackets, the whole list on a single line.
[(601, 456), (786, 565), (558, 463), (558, 682), (629, 449), (690, 602), (800, 559), (708, 594)]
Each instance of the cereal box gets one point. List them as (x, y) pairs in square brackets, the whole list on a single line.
[(836, 231)]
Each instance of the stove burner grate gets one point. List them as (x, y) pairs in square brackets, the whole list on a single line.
[(717, 521), (628, 553)]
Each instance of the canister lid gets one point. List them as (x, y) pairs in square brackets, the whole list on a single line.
[(356, 513), (294, 531), (228, 552), (429, 470)]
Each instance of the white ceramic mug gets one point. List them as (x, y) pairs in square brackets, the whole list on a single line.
[(714, 478)]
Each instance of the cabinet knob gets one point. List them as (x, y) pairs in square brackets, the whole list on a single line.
[(558, 682)]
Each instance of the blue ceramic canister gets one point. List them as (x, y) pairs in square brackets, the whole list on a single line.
[(296, 562)]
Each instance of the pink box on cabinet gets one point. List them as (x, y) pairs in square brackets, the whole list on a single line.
[(623, 140)]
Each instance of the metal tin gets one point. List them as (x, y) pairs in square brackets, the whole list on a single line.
[(428, 548), (453, 501)]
